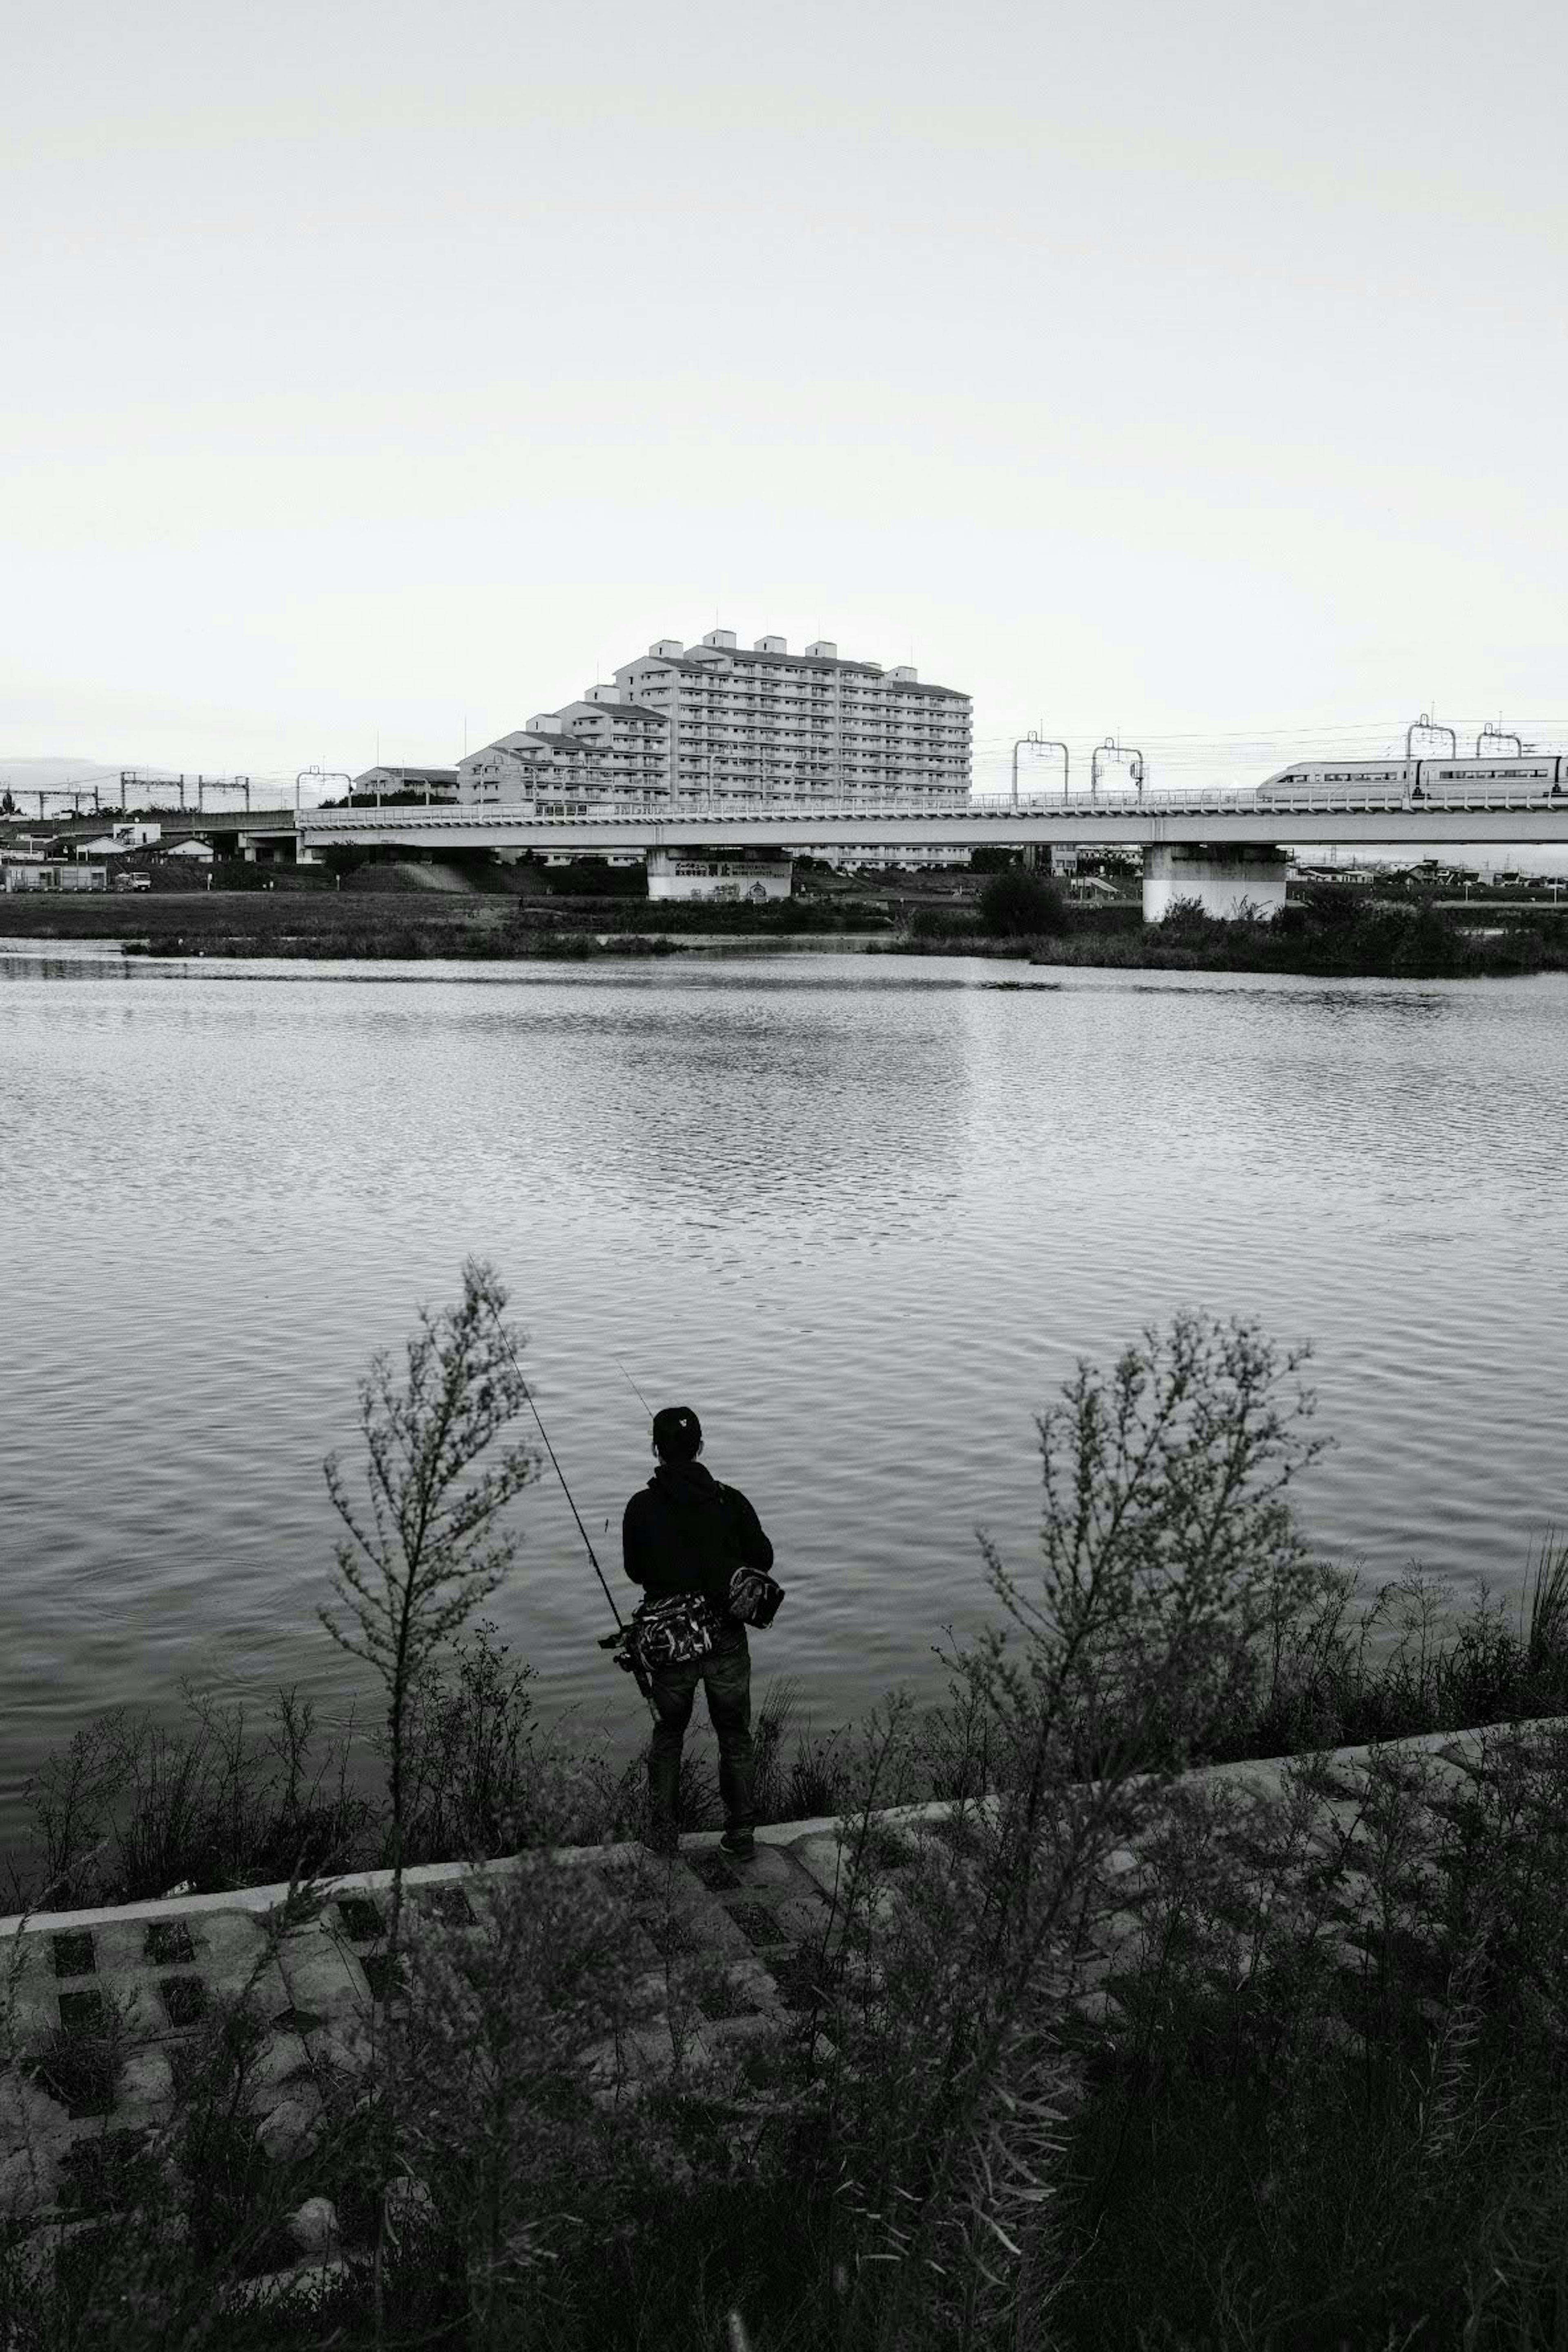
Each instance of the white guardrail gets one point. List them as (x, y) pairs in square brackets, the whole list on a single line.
[(1218, 803)]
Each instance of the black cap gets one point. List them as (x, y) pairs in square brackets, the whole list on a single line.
[(677, 1433)]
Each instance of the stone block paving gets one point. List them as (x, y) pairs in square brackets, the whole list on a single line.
[(99, 2005)]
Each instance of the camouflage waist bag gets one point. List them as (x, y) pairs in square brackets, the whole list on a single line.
[(673, 1631)]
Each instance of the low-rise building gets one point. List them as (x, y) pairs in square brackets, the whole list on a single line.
[(25, 872), (406, 783), (133, 833)]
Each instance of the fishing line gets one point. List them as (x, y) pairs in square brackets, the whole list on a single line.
[(634, 1388)]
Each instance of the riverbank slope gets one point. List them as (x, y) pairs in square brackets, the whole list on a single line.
[(1332, 936)]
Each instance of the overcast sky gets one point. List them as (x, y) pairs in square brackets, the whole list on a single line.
[(374, 372)]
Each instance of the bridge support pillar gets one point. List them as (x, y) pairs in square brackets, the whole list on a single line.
[(1227, 878)]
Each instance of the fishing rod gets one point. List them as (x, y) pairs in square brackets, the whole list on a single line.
[(619, 1638)]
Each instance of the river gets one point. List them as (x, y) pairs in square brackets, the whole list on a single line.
[(863, 1212)]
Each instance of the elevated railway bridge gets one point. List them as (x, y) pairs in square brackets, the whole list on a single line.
[(1223, 847)]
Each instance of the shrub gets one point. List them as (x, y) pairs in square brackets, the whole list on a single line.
[(1168, 1551), (420, 1552), (595, 877), (1304, 2131), (80, 2064), (131, 1807), (472, 1773), (1019, 904)]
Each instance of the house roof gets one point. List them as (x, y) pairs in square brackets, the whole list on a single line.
[(624, 710), (525, 739), (431, 775)]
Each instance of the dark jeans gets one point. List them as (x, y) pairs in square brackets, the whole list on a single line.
[(726, 1675)]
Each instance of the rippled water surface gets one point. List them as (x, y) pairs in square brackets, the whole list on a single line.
[(862, 1213)]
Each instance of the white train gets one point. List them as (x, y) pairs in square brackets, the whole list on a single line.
[(1537, 780)]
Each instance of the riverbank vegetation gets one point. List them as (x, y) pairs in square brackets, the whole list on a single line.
[(1300, 2087), (1331, 930), (300, 921), (592, 910)]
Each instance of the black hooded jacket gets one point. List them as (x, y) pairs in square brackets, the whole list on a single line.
[(685, 1533)]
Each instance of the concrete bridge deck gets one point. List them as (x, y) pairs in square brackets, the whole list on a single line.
[(1211, 818)]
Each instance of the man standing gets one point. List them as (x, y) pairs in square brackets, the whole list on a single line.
[(685, 1534)]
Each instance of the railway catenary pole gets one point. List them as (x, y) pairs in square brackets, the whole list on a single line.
[(323, 776), (1043, 743), (1427, 725), (1110, 748)]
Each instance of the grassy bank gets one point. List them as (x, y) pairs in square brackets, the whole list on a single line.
[(1106, 2058), (315, 924), (215, 1797), (1333, 932)]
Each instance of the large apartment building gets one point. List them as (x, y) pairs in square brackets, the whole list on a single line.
[(602, 748), (722, 721), (760, 723)]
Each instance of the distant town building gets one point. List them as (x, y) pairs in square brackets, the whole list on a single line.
[(718, 722), (423, 784), (131, 833), (25, 872)]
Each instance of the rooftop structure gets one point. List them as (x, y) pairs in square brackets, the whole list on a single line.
[(429, 784)]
